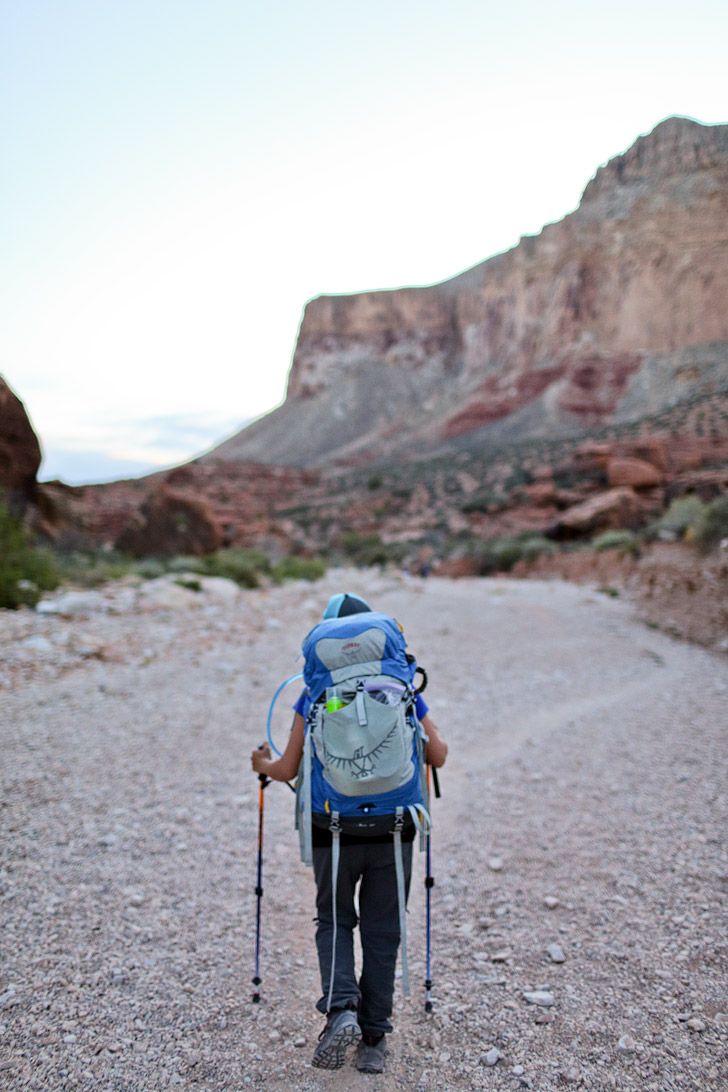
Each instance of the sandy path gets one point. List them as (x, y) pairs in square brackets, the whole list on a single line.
[(588, 765)]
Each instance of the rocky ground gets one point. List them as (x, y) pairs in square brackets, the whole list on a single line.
[(579, 913)]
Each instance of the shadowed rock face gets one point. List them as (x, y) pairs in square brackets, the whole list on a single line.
[(614, 312), (20, 453)]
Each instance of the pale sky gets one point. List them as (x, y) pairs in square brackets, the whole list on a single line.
[(178, 178)]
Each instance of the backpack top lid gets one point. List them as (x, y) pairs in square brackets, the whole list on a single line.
[(339, 606), (358, 645)]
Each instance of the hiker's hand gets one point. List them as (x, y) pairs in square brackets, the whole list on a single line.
[(260, 758)]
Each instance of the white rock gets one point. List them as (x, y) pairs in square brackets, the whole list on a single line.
[(219, 588), (696, 1024), (539, 997), (160, 594), (550, 902), (555, 953), (495, 864), (491, 1057), (74, 604), (37, 643), (627, 1044)]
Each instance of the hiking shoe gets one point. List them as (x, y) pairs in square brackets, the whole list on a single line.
[(370, 1057), (342, 1031)]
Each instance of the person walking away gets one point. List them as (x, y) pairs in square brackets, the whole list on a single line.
[(357, 1011)]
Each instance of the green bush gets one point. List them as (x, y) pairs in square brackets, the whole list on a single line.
[(536, 546), (90, 570), (624, 541), (298, 568), (245, 567), (711, 527), (498, 555), (482, 502), (682, 513), (369, 550), (25, 570), (150, 568), (189, 582)]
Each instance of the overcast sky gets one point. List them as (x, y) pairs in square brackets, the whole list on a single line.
[(179, 177)]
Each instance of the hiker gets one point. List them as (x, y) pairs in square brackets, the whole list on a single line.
[(357, 1012)]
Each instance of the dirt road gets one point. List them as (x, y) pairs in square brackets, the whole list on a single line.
[(580, 856)]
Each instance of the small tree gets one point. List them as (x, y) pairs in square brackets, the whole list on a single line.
[(25, 570)]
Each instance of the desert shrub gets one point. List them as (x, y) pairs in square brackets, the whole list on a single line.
[(711, 527), (150, 568), (624, 541), (298, 568), (481, 502), (90, 570), (369, 551), (245, 567), (498, 555), (25, 570), (682, 513), (181, 564), (537, 546), (519, 475), (189, 582)]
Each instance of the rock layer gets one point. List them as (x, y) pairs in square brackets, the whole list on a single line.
[(616, 311)]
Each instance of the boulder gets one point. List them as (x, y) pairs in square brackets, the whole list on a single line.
[(20, 453), (168, 524), (614, 510), (636, 473)]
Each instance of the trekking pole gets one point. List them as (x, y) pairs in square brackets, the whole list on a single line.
[(429, 884), (259, 886)]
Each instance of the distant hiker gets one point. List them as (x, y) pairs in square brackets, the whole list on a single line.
[(358, 745)]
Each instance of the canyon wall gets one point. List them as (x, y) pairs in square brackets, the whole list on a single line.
[(617, 311)]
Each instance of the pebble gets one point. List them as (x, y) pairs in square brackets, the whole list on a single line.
[(627, 1044), (551, 902), (491, 1057), (555, 953), (539, 997), (696, 1024), (502, 955), (495, 864), (37, 643)]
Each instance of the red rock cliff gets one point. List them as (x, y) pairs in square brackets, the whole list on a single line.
[(614, 312)]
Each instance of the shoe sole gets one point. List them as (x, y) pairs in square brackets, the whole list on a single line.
[(334, 1056), (370, 1068)]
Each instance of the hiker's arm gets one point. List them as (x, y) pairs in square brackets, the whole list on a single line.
[(436, 751), (284, 768)]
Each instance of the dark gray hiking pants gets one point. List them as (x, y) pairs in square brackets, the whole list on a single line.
[(373, 865)]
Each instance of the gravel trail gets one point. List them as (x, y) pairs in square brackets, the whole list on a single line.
[(580, 933)]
